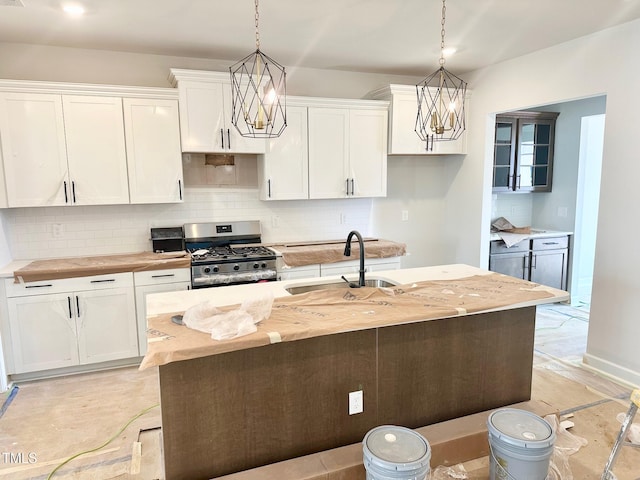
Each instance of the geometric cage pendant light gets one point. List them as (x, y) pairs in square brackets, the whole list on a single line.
[(258, 93), (441, 114)]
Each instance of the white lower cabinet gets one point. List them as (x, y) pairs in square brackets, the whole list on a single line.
[(295, 273), (70, 322), (156, 281)]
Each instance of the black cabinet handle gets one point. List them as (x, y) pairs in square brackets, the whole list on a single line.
[(38, 286), (107, 280), (347, 181), (352, 187), (73, 191), (518, 183), (78, 306), (69, 302), (533, 261), (550, 243), (269, 188), (165, 275), (180, 188), (228, 139), (66, 197), (222, 137)]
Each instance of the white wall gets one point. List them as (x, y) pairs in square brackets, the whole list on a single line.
[(600, 64)]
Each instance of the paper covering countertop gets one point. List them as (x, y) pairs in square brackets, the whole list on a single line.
[(325, 312), (59, 268), (297, 255)]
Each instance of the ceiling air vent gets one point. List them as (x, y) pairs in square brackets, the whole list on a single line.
[(11, 3)]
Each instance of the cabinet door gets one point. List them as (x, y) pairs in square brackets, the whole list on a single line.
[(284, 169), (202, 119), (141, 307), (106, 324), (550, 268), (368, 152), (34, 149), (328, 152), (43, 332), (94, 130), (152, 134), (513, 264), (535, 154), (234, 142), (504, 154), (403, 139)]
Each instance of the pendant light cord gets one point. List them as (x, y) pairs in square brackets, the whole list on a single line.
[(258, 31), (444, 10)]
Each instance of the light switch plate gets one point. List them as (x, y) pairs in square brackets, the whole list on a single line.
[(355, 402)]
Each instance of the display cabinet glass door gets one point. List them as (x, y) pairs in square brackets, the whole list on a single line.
[(534, 155), (504, 154)]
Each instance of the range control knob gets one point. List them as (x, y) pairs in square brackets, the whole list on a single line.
[(206, 270), (264, 265), (256, 265), (215, 269), (236, 267)]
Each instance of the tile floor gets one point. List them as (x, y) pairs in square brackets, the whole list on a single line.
[(50, 420)]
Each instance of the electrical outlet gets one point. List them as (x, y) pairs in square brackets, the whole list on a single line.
[(56, 230), (405, 215), (343, 218), (275, 221), (355, 402), (562, 211)]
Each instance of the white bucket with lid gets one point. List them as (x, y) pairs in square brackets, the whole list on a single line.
[(395, 453), (521, 445)]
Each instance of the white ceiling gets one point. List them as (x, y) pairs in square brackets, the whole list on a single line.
[(383, 36)]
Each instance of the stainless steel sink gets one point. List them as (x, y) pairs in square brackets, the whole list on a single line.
[(372, 282)]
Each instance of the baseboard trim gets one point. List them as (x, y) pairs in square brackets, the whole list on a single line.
[(617, 373)]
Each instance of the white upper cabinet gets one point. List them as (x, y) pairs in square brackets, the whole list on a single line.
[(283, 172), (153, 150), (329, 152), (403, 139), (96, 154), (74, 144), (347, 150), (34, 149), (205, 114)]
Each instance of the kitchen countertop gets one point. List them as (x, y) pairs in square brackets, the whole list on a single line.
[(297, 254), (535, 233), (58, 268), (427, 293)]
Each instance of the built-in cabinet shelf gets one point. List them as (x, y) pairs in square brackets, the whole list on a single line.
[(205, 114), (403, 111), (72, 144), (523, 152), (539, 260), (331, 148)]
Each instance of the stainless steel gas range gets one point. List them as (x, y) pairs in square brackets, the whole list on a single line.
[(220, 254)]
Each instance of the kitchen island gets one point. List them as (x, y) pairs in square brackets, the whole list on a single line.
[(445, 342)]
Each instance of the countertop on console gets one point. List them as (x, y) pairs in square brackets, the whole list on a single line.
[(426, 293), (58, 268)]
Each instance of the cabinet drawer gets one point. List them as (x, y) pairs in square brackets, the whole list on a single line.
[(498, 246), (94, 282), (157, 277), (554, 243)]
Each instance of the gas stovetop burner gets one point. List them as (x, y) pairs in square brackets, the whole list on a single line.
[(229, 253)]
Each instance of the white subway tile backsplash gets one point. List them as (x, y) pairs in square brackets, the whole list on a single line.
[(111, 229)]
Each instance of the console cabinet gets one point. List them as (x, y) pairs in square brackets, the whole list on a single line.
[(539, 260)]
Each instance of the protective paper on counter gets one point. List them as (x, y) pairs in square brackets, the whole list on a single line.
[(332, 252), (59, 268), (332, 311)]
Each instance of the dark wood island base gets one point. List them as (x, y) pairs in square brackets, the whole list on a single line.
[(235, 411)]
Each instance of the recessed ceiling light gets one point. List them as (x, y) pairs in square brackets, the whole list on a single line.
[(75, 10)]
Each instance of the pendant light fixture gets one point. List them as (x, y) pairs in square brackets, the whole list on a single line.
[(258, 94), (441, 97)]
